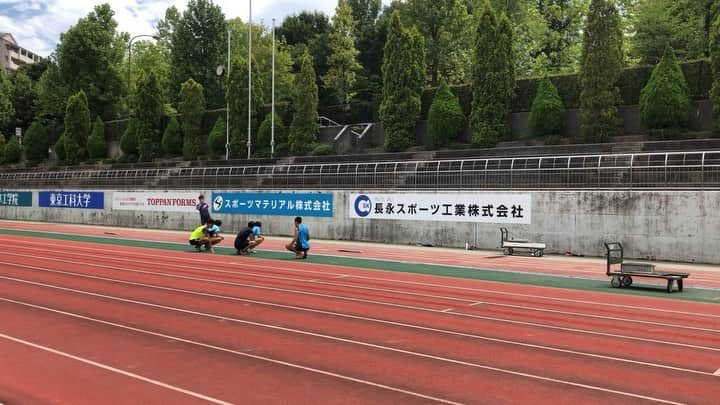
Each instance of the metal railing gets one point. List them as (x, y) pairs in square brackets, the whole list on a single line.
[(676, 170)]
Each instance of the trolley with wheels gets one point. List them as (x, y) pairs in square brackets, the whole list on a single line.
[(509, 246), (623, 276)]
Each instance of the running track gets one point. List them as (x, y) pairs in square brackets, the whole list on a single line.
[(96, 323)]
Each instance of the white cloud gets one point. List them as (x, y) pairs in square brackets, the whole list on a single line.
[(37, 24)]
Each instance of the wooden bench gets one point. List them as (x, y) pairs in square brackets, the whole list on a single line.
[(622, 277), (509, 245)]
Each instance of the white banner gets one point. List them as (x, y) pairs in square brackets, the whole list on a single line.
[(154, 201), (462, 207)]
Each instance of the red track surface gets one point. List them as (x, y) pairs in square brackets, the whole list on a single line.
[(93, 323)]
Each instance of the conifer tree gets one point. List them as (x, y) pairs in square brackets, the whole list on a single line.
[(664, 101), (342, 62), (546, 113), (216, 139), (600, 68), (304, 127), (97, 147), (715, 62), (77, 128), (36, 142), (446, 120), (191, 109), (403, 76), (172, 138)]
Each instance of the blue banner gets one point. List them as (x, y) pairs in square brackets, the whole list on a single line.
[(291, 204), (16, 198), (72, 199)]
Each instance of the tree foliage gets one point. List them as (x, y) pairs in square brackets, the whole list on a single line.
[(12, 151), (77, 127), (493, 78), (199, 44), (89, 57), (404, 72), (52, 96), (238, 102), (217, 138), (96, 145), (129, 142), (312, 30), (600, 70), (191, 108), (265, 136), (446, 120), (664, 101), (546, 113), (149, 111), (172, 138), (715, 62), (59, 148), (23, 98), (7, 110), (36, 142), (304, 127), (343, 66), (3, 144)]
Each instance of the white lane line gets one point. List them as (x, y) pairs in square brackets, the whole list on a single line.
[(395, 281), (380, 347), (447, 310), (114, 370), (381, 321), (226, 350), (411, 307), (317, 281), (477, 303), (717, 372)]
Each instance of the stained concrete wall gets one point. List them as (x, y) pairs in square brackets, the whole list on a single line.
[(673, 225)]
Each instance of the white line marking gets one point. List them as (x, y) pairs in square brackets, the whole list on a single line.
[(114, 370), (476, 303), (319, 281), (455, 313), (407, 352), (447, 309), (223, 349), (381, 321), (717, 372), (43, 247)]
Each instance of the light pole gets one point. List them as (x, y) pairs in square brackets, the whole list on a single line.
[(272, 96), (227, 106), (155, 37), (249, 140)]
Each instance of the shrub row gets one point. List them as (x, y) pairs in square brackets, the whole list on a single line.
[(632, 81)]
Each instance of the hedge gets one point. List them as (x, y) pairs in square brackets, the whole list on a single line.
[(632, 81)]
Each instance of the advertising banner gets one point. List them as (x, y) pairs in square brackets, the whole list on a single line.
[(16, 198), (462, 207), (154, 201), (290, 204), (72, 199)]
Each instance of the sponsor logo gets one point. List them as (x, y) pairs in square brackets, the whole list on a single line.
[(363, 205)]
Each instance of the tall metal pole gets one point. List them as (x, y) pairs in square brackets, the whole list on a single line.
[(130, 66), (249, 140), (227, 107), (272, 97)]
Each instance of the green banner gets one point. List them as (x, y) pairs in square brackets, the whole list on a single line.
[(16, 198)]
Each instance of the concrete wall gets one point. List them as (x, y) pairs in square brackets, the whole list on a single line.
[(678, 226)]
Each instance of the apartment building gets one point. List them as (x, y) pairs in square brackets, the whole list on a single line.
[(13, 56)]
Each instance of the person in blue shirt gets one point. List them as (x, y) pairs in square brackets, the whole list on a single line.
[(257, 237), (301, 240)]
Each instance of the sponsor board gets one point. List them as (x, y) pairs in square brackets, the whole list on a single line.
[(16, 198), (154, 201), (289, 204), (72, 199), (499, 208)]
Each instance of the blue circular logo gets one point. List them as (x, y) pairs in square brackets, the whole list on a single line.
[(363, 205)]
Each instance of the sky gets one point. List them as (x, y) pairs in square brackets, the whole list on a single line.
[(36, 25)]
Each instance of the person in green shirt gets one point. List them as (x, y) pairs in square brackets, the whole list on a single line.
[(201, 236)]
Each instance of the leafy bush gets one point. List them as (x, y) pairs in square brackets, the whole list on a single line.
[(546, 114), (217, 138), (323, 149), (36, 142), (129, 141), (172, 138), (97, 147), (264, 133), (77, 127), (445, 118), (60, 148), (12, 151), (664, 102)]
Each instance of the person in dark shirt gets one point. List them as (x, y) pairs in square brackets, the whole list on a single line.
[(204, 209), (245, 239)]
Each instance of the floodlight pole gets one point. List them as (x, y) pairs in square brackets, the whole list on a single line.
[(130, 65), (227, 101), (249, 140), (272, 102)]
